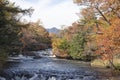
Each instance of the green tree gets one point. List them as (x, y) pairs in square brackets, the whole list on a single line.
[(77, 45), (10, 27)]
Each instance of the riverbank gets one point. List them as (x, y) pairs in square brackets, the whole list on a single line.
[(105, 64), (50, 68)]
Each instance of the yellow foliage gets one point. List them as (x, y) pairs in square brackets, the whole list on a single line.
[(56, 42)]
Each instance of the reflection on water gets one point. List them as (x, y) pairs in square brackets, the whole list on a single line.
[(51, 68)]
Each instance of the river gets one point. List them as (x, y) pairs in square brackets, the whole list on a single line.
[(49, 67)]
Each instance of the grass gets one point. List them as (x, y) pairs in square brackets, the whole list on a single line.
[(105, 64)]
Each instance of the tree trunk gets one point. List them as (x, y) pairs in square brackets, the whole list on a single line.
[(112, 65)]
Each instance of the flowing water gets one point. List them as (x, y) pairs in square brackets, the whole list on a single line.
[(50, 68)]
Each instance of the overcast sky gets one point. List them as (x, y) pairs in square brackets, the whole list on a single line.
[(52, 13)]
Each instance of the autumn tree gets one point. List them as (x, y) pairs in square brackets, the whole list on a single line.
[(109, 42), (99, 7), (35, 37), (107, 21)]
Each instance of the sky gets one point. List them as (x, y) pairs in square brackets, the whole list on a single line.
[(52, 13)]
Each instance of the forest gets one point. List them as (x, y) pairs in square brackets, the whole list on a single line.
[(94, 37)]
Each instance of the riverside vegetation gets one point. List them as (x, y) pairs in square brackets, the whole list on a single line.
[(95, 36), (17, 36)]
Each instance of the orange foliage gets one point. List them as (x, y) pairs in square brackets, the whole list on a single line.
[(71, 31), (109, 42)]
